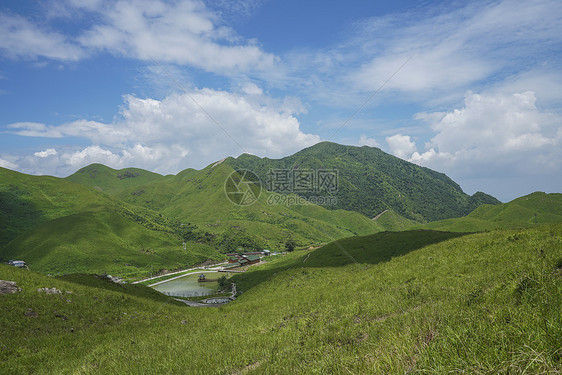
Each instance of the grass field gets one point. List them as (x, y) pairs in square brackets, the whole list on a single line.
[(529, 210), (478, 303)]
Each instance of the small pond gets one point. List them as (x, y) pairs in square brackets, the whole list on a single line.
[(189, 286)]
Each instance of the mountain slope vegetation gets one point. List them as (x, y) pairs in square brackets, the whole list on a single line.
[(136, 225), (198, 198), (371, 181), (59, 226), (529, 210), (479, 303)]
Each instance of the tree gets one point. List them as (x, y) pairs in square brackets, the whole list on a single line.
[(224, 284), (290, 245)]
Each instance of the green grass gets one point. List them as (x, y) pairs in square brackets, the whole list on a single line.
[(198, 197), (533, 209), (102, 282), (479, 303), (371, 181), (103, 242), (110, 180), (58, 226)]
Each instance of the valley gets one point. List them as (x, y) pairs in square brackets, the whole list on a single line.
[(386, 293)]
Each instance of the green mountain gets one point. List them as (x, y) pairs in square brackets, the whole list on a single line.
[(110, 180), (58, 226), (526, 211), (134, 226), (198, 198), (428, 302), (371, 181)]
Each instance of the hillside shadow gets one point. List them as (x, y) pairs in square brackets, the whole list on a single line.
[(371, 249), (376, 248), (17, 216)]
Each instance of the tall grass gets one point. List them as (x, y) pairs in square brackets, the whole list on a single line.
[(480, 303)]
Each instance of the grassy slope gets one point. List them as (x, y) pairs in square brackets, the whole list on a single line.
[(481, 303), (27, 201), (371, 181), (102, 242), (60, 226), (107, 179), (518, 213), (198, 197)]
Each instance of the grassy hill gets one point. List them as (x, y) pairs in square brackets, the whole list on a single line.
[(529, 210), (110, 180), (198, 197), (371, 181), (479, 303), (132, 227), (28, 201), (59, 226), (103, 242)]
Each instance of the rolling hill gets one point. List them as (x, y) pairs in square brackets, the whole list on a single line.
[(133, 226), (59, 226), (479, 303), (198, 198), (371, 181), (526, 211)]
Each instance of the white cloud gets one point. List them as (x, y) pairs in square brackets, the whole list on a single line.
[(48, 152), (174, 133), (453, 48), (7, 164), (366, 141), (401, 145), (181, 32), (20, 38), (496, 136)]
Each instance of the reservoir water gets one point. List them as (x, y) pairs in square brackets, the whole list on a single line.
[(188, 286)]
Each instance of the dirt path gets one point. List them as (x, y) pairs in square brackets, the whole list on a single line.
[(379, 215)]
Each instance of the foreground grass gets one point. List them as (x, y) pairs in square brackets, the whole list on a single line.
[(480, 303)]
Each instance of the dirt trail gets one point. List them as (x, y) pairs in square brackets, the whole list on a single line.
[(379, 215)]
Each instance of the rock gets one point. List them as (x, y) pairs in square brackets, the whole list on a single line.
[(63, 317), (49, 290), (8, 287), (30, 313)]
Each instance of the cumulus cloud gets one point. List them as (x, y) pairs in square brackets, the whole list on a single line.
[(401, 145), (366, 141), (48, 152), (175, 133), (7, 164), (492, 135)]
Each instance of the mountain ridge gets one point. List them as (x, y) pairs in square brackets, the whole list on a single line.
[(371, 181)]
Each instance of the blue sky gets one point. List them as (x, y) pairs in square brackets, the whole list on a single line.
[(471, 89)]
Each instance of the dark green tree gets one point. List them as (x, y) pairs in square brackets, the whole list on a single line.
[(290, 245)]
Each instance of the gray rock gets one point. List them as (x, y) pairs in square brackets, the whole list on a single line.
[(49, 290), (8, 287)]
